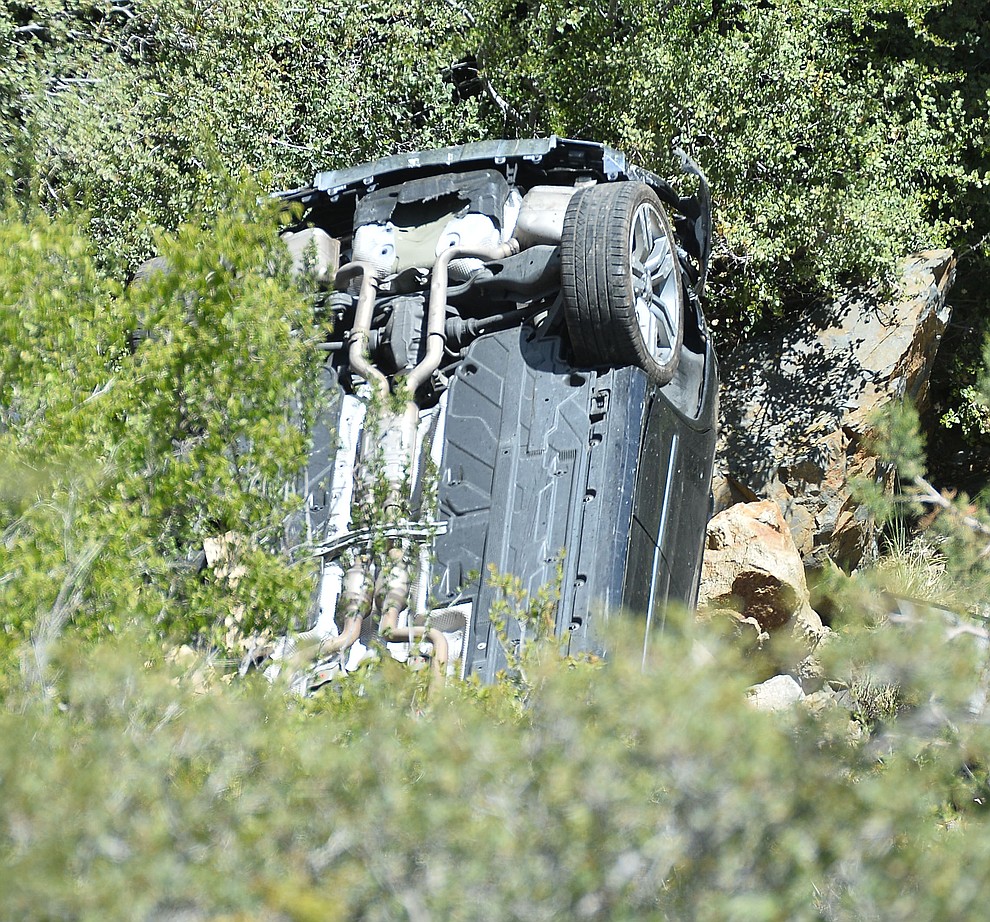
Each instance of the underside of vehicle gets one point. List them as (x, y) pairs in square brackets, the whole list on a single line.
[(519, 386)]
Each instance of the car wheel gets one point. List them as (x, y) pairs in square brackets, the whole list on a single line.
[(623, 297)]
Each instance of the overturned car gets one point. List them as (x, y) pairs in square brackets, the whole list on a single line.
[(520, 382)]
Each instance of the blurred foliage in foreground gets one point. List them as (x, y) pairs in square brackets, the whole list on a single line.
[(617, 793)]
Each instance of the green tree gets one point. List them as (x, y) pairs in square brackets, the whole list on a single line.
[(829, 155), (127, 108)]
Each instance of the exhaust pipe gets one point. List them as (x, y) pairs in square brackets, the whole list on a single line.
[(437, 311), (397, 437), (394, 602)]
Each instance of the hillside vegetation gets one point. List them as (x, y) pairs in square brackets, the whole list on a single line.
[(140, 777)]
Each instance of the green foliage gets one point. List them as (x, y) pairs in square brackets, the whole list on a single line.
[(828, 153), (897, 439), (915, 566), (137, 110), (120, 463), (972, 413), (535, 618)]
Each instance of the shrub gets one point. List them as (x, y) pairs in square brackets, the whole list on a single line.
[(120, 464)]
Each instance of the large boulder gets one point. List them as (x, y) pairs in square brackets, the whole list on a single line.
[(797, 405), (753, 572)]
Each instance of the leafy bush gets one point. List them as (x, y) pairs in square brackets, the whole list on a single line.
[(137, 110), (120, 462)]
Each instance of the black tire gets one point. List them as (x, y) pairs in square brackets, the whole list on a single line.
[(621, 279)]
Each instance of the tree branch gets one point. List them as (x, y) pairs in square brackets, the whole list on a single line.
[(928, 494)]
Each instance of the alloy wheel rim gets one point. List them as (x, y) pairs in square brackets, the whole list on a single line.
[(654, 283)]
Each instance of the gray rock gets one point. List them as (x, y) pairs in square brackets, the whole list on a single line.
[(797, 405), (776, 694)]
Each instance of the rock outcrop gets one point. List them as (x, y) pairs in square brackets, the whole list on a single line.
[(797, 405)]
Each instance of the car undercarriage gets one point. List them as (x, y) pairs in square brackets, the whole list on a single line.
[(519, 385)]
